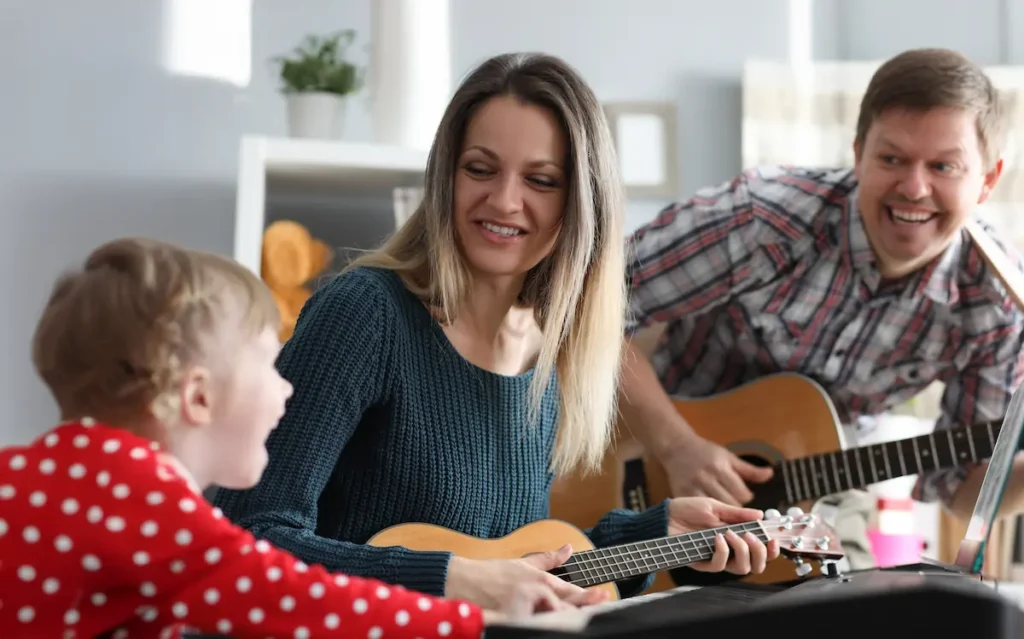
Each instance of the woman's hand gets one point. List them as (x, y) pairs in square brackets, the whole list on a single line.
[(749, 554), (517, 587)]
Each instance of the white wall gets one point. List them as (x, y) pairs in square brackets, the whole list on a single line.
[(99, 139)]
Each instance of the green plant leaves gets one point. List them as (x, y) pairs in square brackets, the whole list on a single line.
[(318, 64)]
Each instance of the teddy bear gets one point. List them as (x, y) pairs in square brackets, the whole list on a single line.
[(291, 258)]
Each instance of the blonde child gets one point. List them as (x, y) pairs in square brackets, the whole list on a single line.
[(161, 361)]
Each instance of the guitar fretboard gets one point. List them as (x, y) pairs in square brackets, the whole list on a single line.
[(603, 565), (816, 476)]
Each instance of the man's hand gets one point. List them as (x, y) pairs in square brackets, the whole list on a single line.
[(749, 554), (697, 467)]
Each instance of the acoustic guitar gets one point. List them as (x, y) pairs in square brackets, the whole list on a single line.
[(801, 537), (785, 421)]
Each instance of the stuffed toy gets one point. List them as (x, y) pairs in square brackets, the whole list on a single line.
[(291, 258)]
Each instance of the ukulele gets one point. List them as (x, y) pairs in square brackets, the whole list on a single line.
[(801, 537)]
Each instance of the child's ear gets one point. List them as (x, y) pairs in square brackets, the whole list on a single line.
[(197, 396)]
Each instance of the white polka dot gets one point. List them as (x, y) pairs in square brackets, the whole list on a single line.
[(120, 633), (30, 534), (3, 528), (17, 463), (360, 606), (243, 584), (273, 573), (115, 524), (155, 498), (177, 566), (375, 633), (341, 580), (26, 614), (7, 491), (147, 589), (138, 453), (213, 555), (163, 474), (71, 617), (187, 505), (217, 513), (179, 610), (98, 599), (94, 514), (47, 466), (51, 586), (423, 604), (256, 615), (183, 537), (80, 441), (120, 491), (51, 440), (37, 498), (287, 603), (302, 632), (88, 422), (148, 528), (331, 621), (26, 573), (148, 613), (224, 626), (141, 558), (245, 549), (102, 478), (111, 446), (464, 610), (77, 471), (262, 545), (402, 617), (91, 562), (62, 543), (211, 596), (69, 506), (444, 628), (300, 567), (316, 590), (383, 592)]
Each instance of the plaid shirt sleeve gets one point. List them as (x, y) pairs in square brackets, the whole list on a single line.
[(696, 254), (981, 393)]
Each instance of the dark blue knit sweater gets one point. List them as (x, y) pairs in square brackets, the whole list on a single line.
[(389, 424)]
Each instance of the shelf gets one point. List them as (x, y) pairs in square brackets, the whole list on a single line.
[(311, 167)]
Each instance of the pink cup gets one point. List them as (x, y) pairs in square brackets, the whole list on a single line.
[(895, 550)]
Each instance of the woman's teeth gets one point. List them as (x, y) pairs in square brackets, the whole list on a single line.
[(507, 231)]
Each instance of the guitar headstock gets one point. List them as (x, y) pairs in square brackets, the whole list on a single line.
[(802, 536)]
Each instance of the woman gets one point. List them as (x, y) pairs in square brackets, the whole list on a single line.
[(447, 376)]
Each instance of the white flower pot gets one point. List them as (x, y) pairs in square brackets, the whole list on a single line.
[(316, 115)]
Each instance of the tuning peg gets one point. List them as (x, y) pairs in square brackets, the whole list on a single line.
[(771, 513), (802, 569), (794, 511)]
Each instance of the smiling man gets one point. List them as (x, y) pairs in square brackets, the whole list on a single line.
[(864, 280)]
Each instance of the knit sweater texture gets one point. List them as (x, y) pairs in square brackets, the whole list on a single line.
[(389, 424)]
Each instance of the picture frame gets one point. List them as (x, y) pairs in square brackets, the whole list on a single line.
[(646, 143)]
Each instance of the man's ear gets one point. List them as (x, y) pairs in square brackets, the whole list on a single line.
[(991, 179), (197, 396)]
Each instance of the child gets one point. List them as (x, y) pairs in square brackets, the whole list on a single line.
[(161, 361)]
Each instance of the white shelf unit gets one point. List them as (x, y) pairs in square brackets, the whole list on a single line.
[(265, 163)]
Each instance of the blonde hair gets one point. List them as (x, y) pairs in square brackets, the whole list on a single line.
[(929, 78), (578, 292), (116, 334)]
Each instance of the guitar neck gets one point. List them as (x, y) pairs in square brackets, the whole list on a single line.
[(817, 476), (613, 563)]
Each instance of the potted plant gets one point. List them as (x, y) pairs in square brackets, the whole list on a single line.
[(315, 81)]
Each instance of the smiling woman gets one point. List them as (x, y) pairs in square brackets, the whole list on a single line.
[(446, 377)]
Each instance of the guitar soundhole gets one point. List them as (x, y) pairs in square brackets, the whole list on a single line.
[(771, 494)]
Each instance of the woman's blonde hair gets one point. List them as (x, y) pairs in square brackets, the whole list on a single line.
[(578, 292)]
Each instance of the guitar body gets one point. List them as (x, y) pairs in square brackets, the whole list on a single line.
[(539, 536), (779, 417)]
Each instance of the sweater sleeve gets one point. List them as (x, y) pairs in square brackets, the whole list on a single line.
[(339, 361), (623, 526)]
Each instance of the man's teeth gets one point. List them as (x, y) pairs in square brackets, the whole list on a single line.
[(507, 231), (911, 216)]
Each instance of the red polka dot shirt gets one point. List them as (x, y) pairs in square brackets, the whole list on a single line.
[(100, 534)]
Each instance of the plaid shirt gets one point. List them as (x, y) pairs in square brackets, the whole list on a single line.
[(773, 272)]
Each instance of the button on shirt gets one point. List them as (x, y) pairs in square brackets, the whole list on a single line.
[(773, 272)]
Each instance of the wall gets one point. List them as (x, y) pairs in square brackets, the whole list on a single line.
[(99, 138)]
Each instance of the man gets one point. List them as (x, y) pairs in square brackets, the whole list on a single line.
[(864, 280)]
